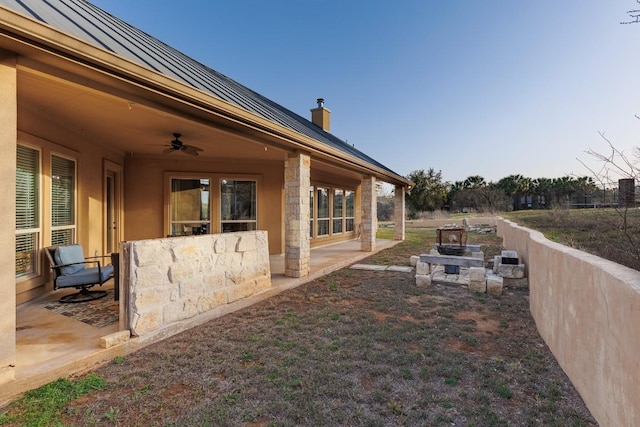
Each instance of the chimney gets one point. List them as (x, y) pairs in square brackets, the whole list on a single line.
[(321, 116)]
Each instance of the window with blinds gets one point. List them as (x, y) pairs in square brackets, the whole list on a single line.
[(27, 210), (63, 190)]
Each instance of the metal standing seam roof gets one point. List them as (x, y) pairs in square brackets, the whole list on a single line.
[(91, 24)]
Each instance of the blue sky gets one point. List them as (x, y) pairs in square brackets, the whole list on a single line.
[(489, 88)]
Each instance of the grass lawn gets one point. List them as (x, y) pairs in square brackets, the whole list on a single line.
[(356, 348)]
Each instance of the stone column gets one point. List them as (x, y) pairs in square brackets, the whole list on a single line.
[(369, 215), (297, 181), (398, 213), (8, 139)]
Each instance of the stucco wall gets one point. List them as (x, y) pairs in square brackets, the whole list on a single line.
[(587, 309), (173, 279), (8, 120)]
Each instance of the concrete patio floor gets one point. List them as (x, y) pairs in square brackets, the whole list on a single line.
[(51, 345)]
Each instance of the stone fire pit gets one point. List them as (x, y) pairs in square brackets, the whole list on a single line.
[(451, 241)]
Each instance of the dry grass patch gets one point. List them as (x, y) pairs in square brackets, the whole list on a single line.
[(608, 233)]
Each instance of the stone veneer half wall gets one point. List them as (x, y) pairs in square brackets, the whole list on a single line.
[(178, 278)]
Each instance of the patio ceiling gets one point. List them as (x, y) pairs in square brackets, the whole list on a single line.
[(125, 125), (130, 124)]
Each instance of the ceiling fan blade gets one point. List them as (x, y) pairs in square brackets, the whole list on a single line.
[(168, 150), (190, 150)]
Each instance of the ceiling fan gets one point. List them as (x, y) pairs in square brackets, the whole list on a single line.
[(177, 145)]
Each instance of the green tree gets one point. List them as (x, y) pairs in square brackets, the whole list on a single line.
[(490, 197), (585, 189), (475, 193), (463, 195), (543, 193), (385, 207), (474, 181), (429, 192), (452, 202), (563, 188), (527, 188), (513, 186)]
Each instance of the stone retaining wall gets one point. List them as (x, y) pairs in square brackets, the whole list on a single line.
[(174, 279), (587, 309)]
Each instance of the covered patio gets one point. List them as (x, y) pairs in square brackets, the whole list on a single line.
[(122, 144), (50, 345)]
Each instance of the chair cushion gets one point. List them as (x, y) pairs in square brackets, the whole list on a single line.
[(67, 255), (88, 276)]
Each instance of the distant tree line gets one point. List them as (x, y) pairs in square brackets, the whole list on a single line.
[(513, 192)]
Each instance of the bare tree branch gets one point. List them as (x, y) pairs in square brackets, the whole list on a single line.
[(614, 164), (634, 14)]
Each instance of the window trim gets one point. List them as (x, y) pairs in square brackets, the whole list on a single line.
[(169, 214), (333, 211), (74, 211), (221, 222), (327, 219), (215, 198), (313, 211), (346, 216)]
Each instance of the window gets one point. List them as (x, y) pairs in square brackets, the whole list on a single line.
[(338, 209), (198, 206), (311, 215), (238, 205), (349, 197), (27, 210), (332, 211), (63, 190), (323, 211), (190, 212)]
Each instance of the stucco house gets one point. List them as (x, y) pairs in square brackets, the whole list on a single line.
[(100, 123)]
